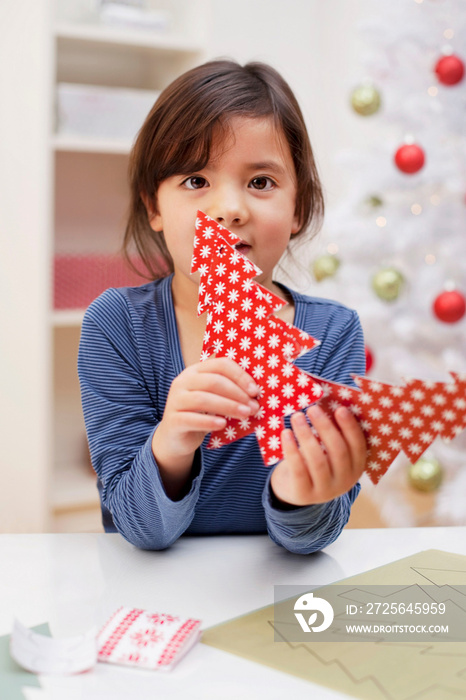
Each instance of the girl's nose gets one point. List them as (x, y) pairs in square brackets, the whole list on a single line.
[(228, 221), (229, 210)]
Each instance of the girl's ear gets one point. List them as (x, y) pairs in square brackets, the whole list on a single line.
[(155, 220), (296, 224)]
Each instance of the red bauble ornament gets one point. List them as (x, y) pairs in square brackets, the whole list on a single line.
[(450, 70), (369, 358), (409, 158), (449, 307)]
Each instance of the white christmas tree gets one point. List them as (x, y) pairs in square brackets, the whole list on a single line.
[(397, 243)]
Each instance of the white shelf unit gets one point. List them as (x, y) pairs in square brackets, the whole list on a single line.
[(67, 318), (83, 144), (69, 197), (90, 204), (154, 42)]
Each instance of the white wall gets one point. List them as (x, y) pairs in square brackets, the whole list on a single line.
[(25, 222), (315, 45)]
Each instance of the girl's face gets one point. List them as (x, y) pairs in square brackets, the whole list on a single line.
[(248, 186)]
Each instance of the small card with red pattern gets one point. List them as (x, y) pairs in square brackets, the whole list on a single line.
[(241, 326), (156, 641)]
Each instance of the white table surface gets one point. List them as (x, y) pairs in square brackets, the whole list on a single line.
[(76, 581)]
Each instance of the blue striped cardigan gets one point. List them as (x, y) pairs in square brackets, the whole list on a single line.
[(129, 355)]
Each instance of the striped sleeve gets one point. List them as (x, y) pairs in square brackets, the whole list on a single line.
[(309, 529), (120, 419)]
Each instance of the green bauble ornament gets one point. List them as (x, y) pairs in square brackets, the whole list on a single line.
[(374, 201), (371, 205), (387, 283), (365, 100), (426, 475), (325, 266)]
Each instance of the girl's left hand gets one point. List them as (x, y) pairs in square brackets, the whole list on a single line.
[(308, 474)]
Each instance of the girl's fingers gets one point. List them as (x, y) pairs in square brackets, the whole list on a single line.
[(291, 481), (310, 473), (335, 444), (202, 422), (219, 384), (231, 370), (204, 402), (354, 438), (317, 462)]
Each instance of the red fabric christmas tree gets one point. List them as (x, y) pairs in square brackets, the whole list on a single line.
[(399, 418), (241, 326)]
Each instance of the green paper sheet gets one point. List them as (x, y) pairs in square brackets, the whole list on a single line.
[(12, 677), (373, 670)]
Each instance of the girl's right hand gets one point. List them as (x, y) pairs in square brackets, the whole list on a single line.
[(198, 401)]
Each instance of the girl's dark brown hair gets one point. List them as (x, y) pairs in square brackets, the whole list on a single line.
[(176, 138)]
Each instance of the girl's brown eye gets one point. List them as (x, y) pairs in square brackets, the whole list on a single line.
[(262, 183), (196, 182)]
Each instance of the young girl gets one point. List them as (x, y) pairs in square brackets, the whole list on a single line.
[(230, 141)]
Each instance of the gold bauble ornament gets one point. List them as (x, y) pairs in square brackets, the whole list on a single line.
[(387, 283), (325, 266), (426, 474), (365, 100)]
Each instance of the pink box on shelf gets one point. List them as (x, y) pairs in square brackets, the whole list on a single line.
[(79, 279)]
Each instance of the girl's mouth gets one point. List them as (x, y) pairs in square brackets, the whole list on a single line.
[(243, 248)]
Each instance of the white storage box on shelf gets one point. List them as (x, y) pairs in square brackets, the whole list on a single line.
[(130, 15), (105, 112)]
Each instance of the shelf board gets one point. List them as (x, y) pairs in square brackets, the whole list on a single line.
[(87, 144), (73, 488), (126, 36), (67, 318)]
